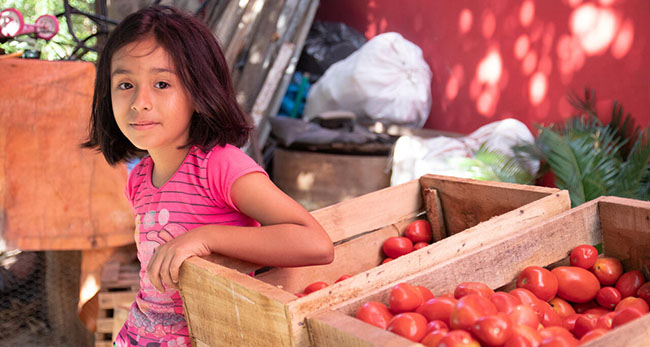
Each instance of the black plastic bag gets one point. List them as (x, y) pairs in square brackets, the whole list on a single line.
[(327, 43)]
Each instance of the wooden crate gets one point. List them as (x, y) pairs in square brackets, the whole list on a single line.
[(225, 306), (621, 225), (119, 285)]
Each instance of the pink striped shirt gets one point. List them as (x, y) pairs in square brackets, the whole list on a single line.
[(197, 194)]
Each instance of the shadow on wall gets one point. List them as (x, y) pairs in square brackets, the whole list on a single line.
[(516, 58)]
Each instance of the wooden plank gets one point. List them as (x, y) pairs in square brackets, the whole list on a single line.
[(227, 303), (627, 222), (250, 79), (371, 211), (488, 199), (109, 300), (335, 329), (242, 36), (105, 325), (350, 258), (434, 213), (298, 36), (227, 23)]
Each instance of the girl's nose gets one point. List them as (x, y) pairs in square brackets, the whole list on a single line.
[(142, 101)]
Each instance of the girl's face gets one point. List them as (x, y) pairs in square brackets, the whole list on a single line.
[(151, 106)]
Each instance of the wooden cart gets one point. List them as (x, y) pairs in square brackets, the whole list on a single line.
[(227, 307), (622, 225)]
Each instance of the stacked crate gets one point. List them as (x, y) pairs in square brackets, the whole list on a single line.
[(226, 306), (622, 226), (120, 284)]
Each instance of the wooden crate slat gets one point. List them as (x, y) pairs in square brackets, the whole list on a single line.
[(334, 329), (236, 301), (488, 199)]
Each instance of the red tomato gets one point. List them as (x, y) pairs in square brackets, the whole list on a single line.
[(608, 297), (607, 270), (426, 293), (404, 298), (504, 302), (468, 309), (629, 283), (419, 245), (523, 336), (419, 231), (585, 306), (559, 341), (596, 333), (437, 325), (569, 322), (584, 324), (432, 338), (583, 256), (554, 331), (342, 278), (492, 330), (410, 325), (397, 246), (547, 315), (644, 292), (633, 302), (597, 311), (538, 280), (459, 338), (374, 313), (386, 260), (473, 288), (576, 284), (562, 307), (524, 315), (526, 296), (439, 308), (605, 321), (625, 315), (314, 287)]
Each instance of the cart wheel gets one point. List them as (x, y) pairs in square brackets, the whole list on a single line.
[(11, 22), (47, 26)]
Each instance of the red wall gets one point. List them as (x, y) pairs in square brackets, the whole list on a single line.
[(517, 58)]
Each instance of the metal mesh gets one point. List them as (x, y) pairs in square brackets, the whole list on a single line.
[(39, 292)]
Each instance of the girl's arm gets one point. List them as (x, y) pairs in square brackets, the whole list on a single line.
[(288, 235)]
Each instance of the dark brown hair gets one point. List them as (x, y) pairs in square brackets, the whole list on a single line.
[(203, 70)]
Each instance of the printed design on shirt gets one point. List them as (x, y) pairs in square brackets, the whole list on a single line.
[(163, 216)]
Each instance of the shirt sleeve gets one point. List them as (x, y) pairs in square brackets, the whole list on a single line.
[(133, 181), (225, 166)]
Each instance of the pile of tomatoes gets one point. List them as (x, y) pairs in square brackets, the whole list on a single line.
[(565, 306), (416, 235)]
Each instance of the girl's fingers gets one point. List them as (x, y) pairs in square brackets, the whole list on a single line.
[(165, 270), (153, 269), (176, 266)]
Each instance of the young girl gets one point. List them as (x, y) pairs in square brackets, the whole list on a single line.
[(163, 87)]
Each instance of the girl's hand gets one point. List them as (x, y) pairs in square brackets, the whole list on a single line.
[(166, 261)]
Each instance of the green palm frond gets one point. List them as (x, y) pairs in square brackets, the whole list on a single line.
[(491, 165), (591, 159)]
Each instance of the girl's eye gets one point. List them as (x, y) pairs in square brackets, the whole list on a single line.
[(161, 85), (125, 85)]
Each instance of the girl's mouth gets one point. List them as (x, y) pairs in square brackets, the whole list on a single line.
[(143, 125)]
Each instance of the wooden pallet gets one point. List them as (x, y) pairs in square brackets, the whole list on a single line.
[(225, 306), (621, 225), (120, 284)]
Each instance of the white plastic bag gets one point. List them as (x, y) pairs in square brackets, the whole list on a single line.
[(415, 156), (385, 80)]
